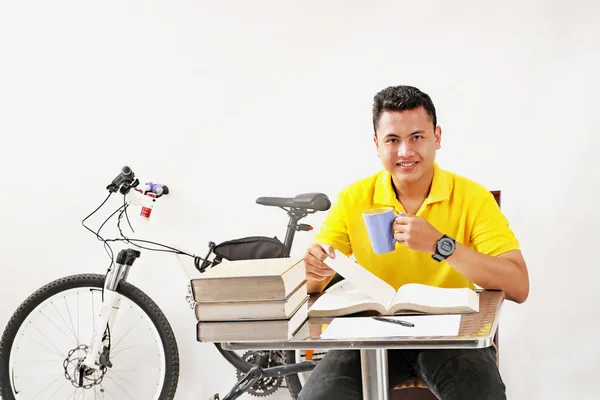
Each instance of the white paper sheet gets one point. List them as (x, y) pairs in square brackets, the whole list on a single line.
[(367, 327)]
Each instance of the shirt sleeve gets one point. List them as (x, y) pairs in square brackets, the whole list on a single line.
[(491, 233), (334, 230)]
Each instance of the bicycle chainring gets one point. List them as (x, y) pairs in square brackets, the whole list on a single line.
[(267, 385)]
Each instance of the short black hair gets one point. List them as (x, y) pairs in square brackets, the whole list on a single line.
[(401, 98)]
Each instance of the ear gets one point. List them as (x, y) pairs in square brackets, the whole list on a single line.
[(376, 143), (437, 133)]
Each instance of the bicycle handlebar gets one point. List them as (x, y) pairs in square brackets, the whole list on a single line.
[(124, 181)]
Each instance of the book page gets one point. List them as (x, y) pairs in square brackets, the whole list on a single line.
[(341, 286), (367, 327), (431, 296), (363, 279), (341, 302)]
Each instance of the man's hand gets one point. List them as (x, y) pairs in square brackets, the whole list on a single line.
[(316, 269), (317, 272), (416, 233)]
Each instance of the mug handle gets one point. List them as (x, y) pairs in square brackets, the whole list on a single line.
[(396, 215)]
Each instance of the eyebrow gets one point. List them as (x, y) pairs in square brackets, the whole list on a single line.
[(417, 132)]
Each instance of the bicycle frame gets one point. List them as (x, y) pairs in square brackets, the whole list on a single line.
[(119, 272)]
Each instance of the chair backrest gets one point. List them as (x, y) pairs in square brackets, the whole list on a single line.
[(497, 196)]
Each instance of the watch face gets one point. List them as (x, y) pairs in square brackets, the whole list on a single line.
[(446, 246)]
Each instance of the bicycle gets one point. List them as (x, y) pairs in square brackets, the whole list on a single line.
[(86, 355)]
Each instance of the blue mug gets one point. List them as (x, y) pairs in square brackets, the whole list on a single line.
[(379, 223)]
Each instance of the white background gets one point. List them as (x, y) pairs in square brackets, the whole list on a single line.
[(228, 101)]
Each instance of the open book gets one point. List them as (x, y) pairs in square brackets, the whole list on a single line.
[(370, 293)]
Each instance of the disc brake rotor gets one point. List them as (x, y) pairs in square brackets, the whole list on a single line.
[(72, 364)]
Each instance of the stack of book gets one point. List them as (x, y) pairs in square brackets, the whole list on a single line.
[(251, 300)]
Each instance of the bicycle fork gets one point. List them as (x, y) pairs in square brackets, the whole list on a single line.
[(98, 356)]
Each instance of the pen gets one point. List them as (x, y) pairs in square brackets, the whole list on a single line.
[(395, 321)]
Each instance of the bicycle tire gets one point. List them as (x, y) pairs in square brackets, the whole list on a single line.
[(293, 381), (92, 280)]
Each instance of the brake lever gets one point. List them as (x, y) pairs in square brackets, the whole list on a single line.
[(158, 189)]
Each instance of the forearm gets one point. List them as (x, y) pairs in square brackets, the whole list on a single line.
[(502, 273)]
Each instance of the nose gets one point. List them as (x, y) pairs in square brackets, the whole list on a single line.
[(404, 149)]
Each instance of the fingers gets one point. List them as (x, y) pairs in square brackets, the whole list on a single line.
[(328, 249), (402, 220), (311, 276), (321, 251), (317, 266), (402, 238), (314, 266), (400, 228)]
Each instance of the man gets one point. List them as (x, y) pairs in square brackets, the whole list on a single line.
[(435, 204)]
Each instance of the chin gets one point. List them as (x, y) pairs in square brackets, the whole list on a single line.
[(408, 176)]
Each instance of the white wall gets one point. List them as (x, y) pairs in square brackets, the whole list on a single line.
[(191, 93)]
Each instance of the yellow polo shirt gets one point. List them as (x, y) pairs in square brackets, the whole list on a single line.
[(456, 206)]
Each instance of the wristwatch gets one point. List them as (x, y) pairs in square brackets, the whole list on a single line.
[(444, 248)]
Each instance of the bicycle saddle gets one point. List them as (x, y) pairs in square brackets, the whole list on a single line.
[(316, 201)]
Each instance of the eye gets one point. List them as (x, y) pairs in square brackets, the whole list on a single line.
[(391, 140), (417, 137)]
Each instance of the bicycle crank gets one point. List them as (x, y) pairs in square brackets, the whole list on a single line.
[(265, 385)]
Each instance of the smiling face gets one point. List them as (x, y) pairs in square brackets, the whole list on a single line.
[(407, 142)]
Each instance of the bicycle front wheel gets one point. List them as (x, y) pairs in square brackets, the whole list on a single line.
[(48, 337)]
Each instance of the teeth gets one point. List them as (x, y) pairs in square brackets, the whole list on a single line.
[(407, 164)]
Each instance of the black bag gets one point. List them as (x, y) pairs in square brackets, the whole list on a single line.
[(249, 248)]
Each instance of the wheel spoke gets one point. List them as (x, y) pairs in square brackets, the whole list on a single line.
[(117, 377), (121, 387), (114, 353), (51, 383), (65, 322), (58, 352), (93, 311), (108, 393), (50, 342), (77, 316), (60, 330), (71, 319), (127, 333)]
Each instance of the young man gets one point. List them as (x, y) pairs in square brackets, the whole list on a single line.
[(451, 234)]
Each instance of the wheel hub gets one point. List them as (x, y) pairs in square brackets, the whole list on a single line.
[(79, 375)]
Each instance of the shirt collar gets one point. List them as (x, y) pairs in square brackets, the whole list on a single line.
[(384, 191)]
